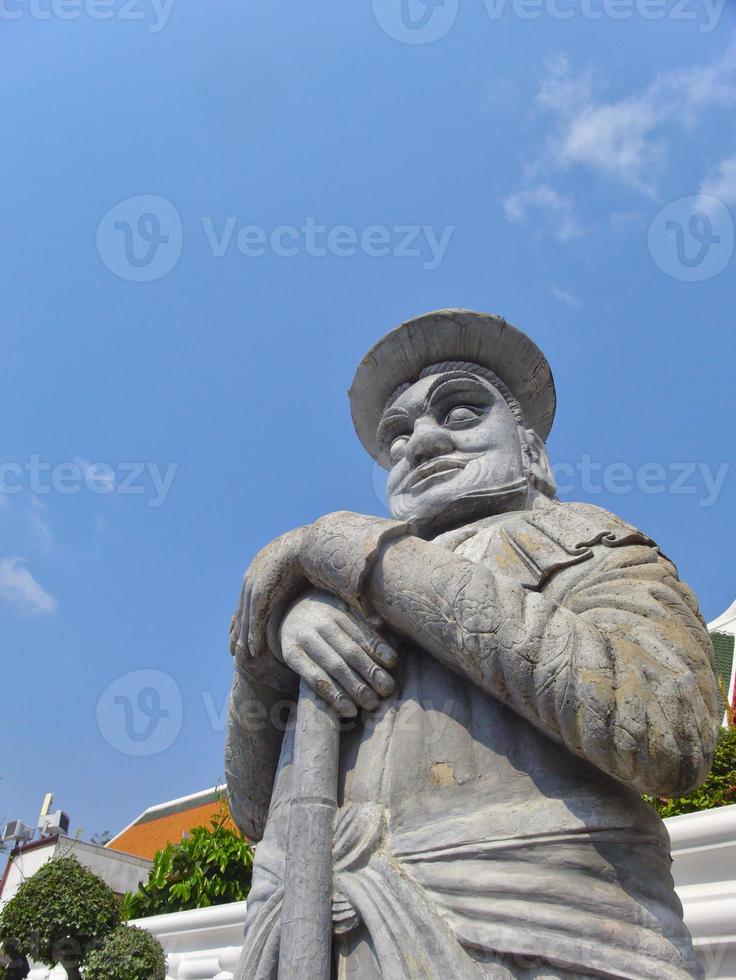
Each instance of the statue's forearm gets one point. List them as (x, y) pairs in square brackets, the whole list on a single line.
[(632, 697), (260, 700)]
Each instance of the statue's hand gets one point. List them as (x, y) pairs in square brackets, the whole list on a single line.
[(272, 581), (334, 555), (337, 653)]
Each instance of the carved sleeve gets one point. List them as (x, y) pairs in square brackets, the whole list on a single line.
[(619, 667)]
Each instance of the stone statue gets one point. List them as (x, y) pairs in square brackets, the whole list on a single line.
[(512, 673)]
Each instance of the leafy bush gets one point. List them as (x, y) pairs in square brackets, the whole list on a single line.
[(212, 866), (719, 789), (127, 953), (56, 914)]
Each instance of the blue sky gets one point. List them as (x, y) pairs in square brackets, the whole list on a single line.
[(210, 212)]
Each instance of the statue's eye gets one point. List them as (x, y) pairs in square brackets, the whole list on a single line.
[(462, 414), (396, 449)]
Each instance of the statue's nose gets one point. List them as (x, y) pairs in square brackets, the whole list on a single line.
[(429, 439)]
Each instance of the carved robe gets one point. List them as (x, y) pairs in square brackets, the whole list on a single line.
[(477, 838)]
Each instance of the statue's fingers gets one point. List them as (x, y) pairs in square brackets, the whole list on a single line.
[(319, 680), (333, 662), (234, 634), (370, 641), (360, 661), (242, 641), (239, 628)]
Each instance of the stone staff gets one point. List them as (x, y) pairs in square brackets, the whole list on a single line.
[(306, 937)]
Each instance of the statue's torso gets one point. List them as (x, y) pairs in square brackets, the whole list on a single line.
[(518, 843)]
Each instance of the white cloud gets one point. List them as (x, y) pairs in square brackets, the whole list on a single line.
[(552, 213), (721, 181), (39, 524), (563, 296), (627, 138), (19, 589)]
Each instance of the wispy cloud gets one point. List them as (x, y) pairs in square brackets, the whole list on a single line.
[(563, 296), (40, 527), (627, 140), (721, 181), (20, 590), (553, 213)]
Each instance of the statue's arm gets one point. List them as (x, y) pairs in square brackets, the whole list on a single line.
[(619, 670), (261, 694)]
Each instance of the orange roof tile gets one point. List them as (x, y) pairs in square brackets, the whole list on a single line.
[(165, 824)]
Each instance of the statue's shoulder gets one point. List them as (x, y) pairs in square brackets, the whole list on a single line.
[(576, 525), (534, 544)]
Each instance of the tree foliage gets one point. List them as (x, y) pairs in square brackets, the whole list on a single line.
[(719, 789), (212, 866), (59, 913), (127, 953)]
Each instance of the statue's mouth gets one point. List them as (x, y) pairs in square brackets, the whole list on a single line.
[(436, 469)]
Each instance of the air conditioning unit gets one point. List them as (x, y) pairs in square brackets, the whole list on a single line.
[(16, 832), (54, 823)]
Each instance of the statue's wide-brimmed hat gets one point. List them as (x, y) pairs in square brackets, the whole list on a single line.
[(451, 335)]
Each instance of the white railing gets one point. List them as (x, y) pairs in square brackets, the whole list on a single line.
[(704, 869), (205, 944), (200, 945)]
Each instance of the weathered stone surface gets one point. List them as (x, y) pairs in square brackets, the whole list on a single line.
[(511, 673)]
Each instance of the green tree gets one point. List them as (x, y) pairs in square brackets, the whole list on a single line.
[(212, 866), (127, 953), (57, 915)]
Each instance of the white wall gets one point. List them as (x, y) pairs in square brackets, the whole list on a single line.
[(23, 867), (122, 872), (704, 869)]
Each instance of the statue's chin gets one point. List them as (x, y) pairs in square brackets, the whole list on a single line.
[(468, 507)]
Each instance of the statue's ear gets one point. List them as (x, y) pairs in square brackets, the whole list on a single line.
[(540, 472)]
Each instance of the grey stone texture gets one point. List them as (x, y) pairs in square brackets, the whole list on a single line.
[(489, 682)]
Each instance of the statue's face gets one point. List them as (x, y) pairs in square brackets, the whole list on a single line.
[(455, 450)]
